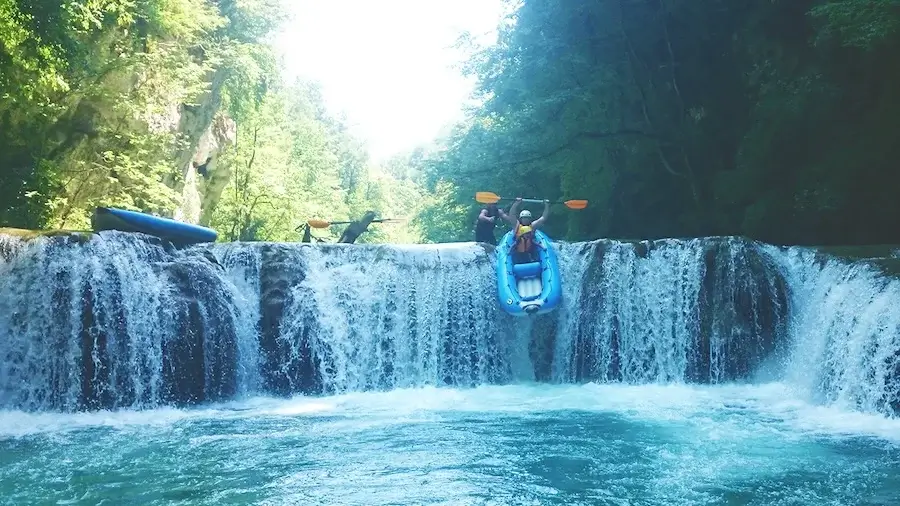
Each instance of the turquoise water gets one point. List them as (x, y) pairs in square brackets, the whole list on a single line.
[(521, 444)]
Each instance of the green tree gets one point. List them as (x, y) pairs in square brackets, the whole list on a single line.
[(293, 162), (103, 102), (688, 118)]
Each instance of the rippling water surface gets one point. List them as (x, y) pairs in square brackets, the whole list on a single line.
[(524, 444)]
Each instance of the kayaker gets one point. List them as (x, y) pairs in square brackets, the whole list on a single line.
[(524, 250), (484, 225)]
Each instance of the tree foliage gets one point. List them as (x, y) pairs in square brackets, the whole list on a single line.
[(106, 103), (774, 120), (100, 98), (292, 162)]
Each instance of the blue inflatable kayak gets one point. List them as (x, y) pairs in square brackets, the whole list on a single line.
[(531, 288), (107, 218)]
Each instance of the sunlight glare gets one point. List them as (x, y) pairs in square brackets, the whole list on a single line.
[(389, 66)]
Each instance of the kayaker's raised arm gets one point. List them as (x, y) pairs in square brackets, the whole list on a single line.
[(513, 213), (538, 223)]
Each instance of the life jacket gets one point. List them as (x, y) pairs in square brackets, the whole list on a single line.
[(524, 238)]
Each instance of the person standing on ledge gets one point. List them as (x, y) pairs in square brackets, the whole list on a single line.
[(485, 224), (524, 227)]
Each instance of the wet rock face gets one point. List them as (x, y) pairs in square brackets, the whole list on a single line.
[(281, 269), (13, 240), (542, 343), (200, 364), (743, 308)]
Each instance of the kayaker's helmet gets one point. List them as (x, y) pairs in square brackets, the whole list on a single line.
[(525, 215)]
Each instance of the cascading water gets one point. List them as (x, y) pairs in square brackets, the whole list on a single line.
[(118, 320), (845, 333), (382, 318), (241, 278), (668, 311), (709, 371)]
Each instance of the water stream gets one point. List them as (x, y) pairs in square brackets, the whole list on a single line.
[(710, 371)]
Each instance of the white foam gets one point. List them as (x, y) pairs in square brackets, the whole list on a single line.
[(18, 423), (709, 415), (719, 411)]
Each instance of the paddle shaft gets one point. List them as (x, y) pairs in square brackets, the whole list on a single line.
[(383, 220), (536, 201)]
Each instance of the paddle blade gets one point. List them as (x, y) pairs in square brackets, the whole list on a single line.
[(487, 197), (318, 223), (576, 204)]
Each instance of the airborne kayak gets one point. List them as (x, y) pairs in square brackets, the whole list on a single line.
[(107, 218), (530, 288)]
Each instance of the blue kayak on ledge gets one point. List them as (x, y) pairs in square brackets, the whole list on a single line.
[(530, 288), (108, 218)]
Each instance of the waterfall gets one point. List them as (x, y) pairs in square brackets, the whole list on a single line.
[(117, 320), (667, 311), (386, 317), (845, 332)]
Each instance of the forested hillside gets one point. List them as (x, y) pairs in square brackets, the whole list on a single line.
[(177, 108), (773, 119)]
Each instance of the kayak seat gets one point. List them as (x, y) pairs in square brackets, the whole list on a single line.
[(529, 270)]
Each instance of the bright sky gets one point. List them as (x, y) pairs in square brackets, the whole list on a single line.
[(388, 65)]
